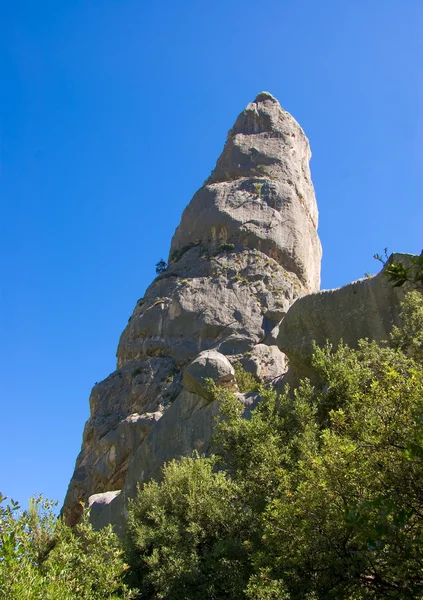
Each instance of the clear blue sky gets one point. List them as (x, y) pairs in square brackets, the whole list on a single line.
[(112, 114)]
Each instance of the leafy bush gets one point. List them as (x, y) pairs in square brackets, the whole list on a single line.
[(188, 536), (246, 381), (225, 247), (318, 495), (409, 338), (399, 274), (41, 558), (257, 189), (336, 474)]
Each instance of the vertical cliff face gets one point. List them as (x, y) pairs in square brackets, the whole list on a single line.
[(246, 248), (260, 194)]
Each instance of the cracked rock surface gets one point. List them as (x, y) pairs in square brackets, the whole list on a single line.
[(245, 250)]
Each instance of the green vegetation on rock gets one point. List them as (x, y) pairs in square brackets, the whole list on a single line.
[(246, 381), (161, 266), (224, 248)]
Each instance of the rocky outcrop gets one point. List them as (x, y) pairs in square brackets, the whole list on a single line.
[(367, 308), (208, 365), (246, 248), (241, 286), (260, 194), (186, 426)]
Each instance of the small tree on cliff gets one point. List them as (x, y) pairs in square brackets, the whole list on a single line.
[(161, 266)]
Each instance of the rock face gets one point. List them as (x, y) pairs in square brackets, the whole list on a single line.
[(246, 248), (367, 308), (241, 287), (260, 194)]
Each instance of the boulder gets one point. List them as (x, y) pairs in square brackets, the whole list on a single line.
[(208, 365), (267, 363), (99, 505)]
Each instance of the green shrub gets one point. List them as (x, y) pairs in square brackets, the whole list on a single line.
[(257, 189), (246, 381), (186, 536), (43, 559), (335, 474), (224, 248), (318, 494), (398, 273), (161, 266)]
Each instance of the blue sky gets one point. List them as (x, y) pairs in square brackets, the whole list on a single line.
[(113, 113)]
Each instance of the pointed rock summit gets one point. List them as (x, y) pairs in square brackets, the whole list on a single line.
[(246, 248), (260, 194)]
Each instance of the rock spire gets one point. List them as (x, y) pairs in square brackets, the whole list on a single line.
[(246, 248), (260, 194)]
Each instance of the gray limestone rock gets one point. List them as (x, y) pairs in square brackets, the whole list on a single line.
[(99, 505), (123, 408), (246, 248), (260, 194), (267, 363), (208, 365), (209, 298), (367, 308), (185, 427)]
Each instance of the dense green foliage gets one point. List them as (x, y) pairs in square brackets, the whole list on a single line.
[(187, 534), (318, 495), (246, 381), (43, 559)]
